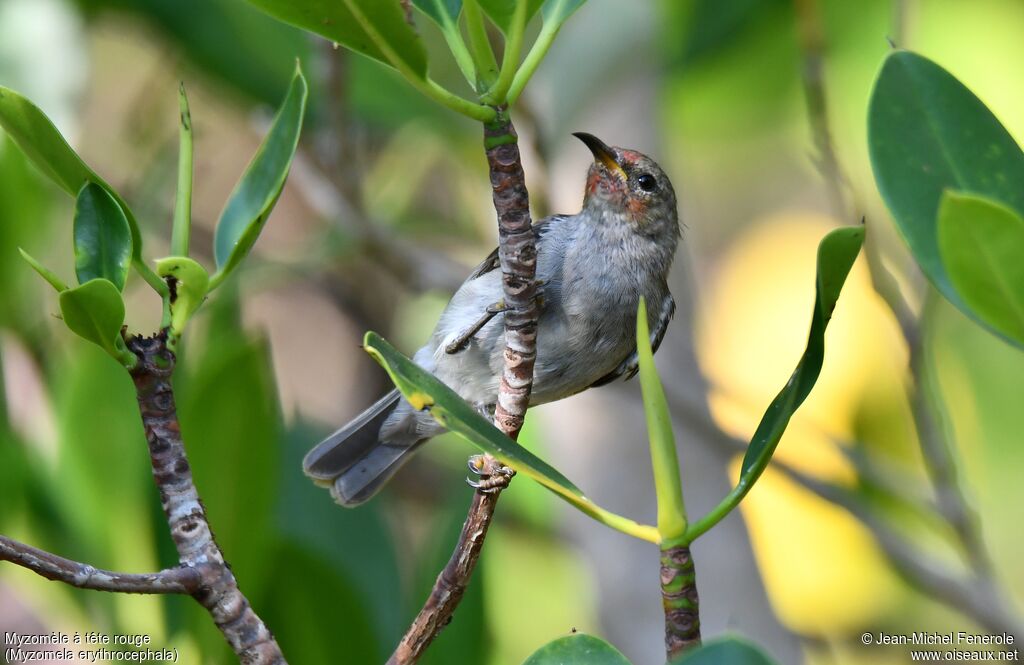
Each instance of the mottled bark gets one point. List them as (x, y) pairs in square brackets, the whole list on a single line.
[(679, 598), (517, 254), (180, 579), (218, 591)]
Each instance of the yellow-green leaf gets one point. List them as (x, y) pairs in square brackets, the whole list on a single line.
[(421, 388), (191, 283)]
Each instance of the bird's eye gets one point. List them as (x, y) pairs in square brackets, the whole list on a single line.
[(647, 182)]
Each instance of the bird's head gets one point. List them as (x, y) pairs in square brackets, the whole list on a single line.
[(630, 186)]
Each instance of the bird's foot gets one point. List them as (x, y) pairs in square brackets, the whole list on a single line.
[(494, 476), (462, 341)]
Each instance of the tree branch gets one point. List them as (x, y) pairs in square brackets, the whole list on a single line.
[(218, 591), (180, 579), (517, 253), (680, 601)]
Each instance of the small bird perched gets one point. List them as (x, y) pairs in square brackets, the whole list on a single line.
[(592, 268)]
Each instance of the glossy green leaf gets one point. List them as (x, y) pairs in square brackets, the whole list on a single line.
[(44, 272), (577, 649), (667, 484), (103, 240), (982, 244), (424, 391), (443, 12), (351, 22), (731, 650), (927, 133), (501, 11), (256, 193), (557, 11), (836, 254), (37, 137), (191, 282), (95, 311)]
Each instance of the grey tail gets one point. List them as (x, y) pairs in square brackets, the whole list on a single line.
[(354, 462)]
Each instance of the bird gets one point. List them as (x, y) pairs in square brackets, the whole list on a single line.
[(592, 269)]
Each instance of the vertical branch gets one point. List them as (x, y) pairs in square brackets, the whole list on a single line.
[(218, 592), (517, 253), (679, 598)]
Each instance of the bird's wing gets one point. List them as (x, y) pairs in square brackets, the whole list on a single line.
[(491, 262), (630, 365)]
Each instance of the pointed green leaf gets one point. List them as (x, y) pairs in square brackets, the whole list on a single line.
[(731, 650), (557, 11), (667, 484), (44, 272), (37, 137), (256, 193), (982, 243), (577, 649), (443, 12), (424, 391), (349, 22), (501, 11), (103, 240), (95, 311), (191, 283), (927, 133), (836, 254), (182, 225)]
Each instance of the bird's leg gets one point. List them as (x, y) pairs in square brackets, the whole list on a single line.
[(494, 476), (462, 341)]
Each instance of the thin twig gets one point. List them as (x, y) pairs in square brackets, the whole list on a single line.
[(218, 592), (518, 256), (454, 577), (180, 579)]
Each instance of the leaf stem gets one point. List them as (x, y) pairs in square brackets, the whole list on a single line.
[(545, 39), (183, 199), (498, 93), (480, 45), (151, 277), (425, 85), (668, 485), (453, 36)]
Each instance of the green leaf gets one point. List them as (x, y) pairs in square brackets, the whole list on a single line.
[(928, 133), (836, 254), (44, 272), (578, 649), (182, 225), (731, 650), (557, 11), (103, 240), (667, 483), (95, 311), (424, 391), (982, 243), (191, 283), (37, 137), (350, 22), (443, 12), (256, 193), (501, 11)]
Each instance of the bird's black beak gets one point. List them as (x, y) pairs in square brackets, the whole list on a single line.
[(602, 153)]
